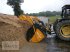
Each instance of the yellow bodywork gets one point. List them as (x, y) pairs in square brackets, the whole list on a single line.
[(65, 31), (38, 35), (25, 18), (30, 19)]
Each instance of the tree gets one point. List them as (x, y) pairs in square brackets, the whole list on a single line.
[(16, 6)]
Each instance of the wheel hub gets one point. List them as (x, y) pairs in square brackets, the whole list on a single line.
[(65, 31)]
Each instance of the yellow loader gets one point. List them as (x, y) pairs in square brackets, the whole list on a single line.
[(34, 33), (37, 32)]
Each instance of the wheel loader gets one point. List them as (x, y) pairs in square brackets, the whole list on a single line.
[(62, 26), (37, 32)]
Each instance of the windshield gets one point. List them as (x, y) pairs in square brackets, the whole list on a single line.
[(68, 12)]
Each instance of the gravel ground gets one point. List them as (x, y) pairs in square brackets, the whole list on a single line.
[(49, 44), (9, 32)]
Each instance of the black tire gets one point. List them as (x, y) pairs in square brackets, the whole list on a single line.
[(54, 25), (58, 28)]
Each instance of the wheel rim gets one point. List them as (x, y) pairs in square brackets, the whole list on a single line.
[(65, 31)]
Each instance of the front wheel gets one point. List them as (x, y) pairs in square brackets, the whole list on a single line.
[(63, 30)]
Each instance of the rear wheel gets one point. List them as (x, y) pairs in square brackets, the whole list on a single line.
[(63, 30)]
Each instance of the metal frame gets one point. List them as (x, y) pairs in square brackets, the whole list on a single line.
[(64, 11)]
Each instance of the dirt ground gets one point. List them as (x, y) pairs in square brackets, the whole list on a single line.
[(11, 29)]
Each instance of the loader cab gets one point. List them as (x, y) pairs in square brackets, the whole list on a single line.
[(66, 12)]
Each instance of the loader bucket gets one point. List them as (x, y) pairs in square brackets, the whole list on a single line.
[(35, 34), (38, 36)]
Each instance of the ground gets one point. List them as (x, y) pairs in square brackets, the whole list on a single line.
[(12, 32), (48, 45)]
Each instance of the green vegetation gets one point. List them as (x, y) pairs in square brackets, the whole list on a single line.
[(53, 18), (53, 15), (46, 13)]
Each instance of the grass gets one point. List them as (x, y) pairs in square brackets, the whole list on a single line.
[(53, 18)]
